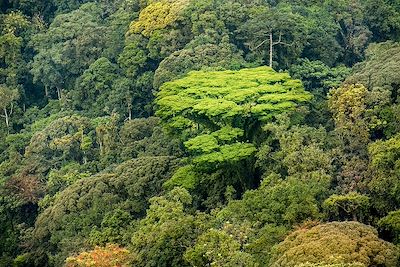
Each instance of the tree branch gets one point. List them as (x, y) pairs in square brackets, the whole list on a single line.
[(11, 109), (258, 46), (280, 41)]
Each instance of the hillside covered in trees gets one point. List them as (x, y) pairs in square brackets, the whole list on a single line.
[(177, 133)]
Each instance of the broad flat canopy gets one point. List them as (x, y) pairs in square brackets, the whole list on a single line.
[(222, 96), (216, 112)]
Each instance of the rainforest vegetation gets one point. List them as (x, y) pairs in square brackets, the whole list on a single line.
[(177, 133)]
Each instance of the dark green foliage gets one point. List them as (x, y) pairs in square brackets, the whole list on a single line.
[(380, 74), (316, 76), (72, 42), (272, 209), (385, 165), (279, 202), (383, 19), (85, 212), (265, 156), (380, 68), (390, 225), (145, 137), (295, 150), (284, 27), (321, 42), (202, 56), (63, 140), (354, 35), (95, 86), (319, 78), (166, 231)]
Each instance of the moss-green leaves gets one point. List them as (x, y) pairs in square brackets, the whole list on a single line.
[(335, 243)]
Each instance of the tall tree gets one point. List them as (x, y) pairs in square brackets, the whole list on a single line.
[(95, 85), (219, 115), (72, 42), (272, 27), (8, 97)]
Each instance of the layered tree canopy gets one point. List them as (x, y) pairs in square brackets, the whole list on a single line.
[(220, 113), (196, 133)]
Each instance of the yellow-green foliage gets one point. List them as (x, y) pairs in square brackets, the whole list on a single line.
[(227, 153), (322, 264), (184, 176), (352, 205), (224, 95), (335, 243), (348, 104), (158, 15), (210, 142), (220, 110)]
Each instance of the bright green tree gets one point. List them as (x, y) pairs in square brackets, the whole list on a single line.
[(219, 114)]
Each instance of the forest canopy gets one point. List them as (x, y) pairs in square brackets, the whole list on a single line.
[(199, 133)]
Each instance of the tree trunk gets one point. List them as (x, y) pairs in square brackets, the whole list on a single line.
[(129, 111), (59, 91), (271, 47), (7, 119)]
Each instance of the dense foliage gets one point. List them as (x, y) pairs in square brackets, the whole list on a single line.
[(200, 133)]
